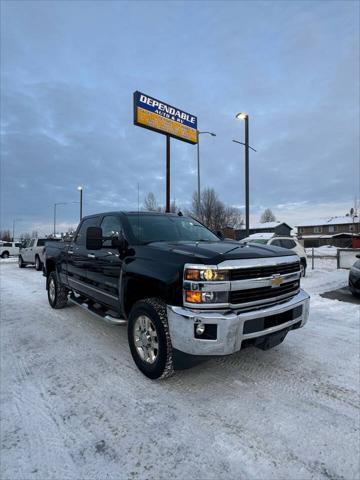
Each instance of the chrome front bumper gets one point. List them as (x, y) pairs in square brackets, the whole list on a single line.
[(230, 326)]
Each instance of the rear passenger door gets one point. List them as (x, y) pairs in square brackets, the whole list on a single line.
[(105, 264)]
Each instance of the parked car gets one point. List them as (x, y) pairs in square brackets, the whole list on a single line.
[(290, 243), (354, 278), (33, 253), (9, 249), (183, 293)]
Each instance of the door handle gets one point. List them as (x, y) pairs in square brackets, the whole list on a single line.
[(91, 255)]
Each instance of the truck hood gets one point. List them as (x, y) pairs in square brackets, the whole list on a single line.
[(217, 252)]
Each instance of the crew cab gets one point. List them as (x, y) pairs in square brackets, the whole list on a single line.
[(33, 253), (183, 293)]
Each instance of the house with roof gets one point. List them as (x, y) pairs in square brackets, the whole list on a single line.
[(336, 231)]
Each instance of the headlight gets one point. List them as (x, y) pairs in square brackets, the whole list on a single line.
[(206, 275)]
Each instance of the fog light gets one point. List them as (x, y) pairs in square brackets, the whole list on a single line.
[(200, 328)]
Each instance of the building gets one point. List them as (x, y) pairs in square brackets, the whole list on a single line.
[(336, 231), (278, 228)]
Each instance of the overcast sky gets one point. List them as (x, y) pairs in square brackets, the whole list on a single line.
[(69, 69)]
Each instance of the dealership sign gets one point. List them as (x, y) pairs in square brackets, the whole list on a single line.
[(164, 118)]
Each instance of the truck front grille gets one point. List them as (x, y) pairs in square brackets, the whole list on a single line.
[(263, 293), (265, 271)]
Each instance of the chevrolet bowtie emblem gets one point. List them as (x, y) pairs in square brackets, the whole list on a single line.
[(276, 280)]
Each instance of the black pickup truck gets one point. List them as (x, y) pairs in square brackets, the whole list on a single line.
[(184, 293)]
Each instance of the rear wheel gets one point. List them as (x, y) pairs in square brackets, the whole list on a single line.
[(38, 264), (5, 255), (149, 338), (21, 262), (57, 293)]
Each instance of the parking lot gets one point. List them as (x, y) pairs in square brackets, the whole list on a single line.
[(74, 405)]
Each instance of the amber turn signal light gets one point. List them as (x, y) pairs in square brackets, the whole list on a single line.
[(192, 296)]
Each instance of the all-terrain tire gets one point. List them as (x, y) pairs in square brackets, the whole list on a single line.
[(155, 310), (38, 263), (5, 255), (21, 262), (57, 293)]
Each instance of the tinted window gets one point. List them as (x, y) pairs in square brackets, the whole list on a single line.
[(287, 243), (81, 236), (276, 243), (262, 241), (111, 227), (7, 244), (18, 245), (41, 242), (168, 228)]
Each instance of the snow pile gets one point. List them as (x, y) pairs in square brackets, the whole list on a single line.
[(323, 251)]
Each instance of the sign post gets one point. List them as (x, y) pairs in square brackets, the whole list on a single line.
[(170, 121)]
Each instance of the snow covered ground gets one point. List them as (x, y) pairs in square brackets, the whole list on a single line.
[(323, 251), (74, 405)]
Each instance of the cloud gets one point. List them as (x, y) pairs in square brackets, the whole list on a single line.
[(69, 71)]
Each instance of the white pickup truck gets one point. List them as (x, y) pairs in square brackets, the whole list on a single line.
[(8, 249), (33, 253)]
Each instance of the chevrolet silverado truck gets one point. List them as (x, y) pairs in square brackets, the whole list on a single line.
[(183, 293)]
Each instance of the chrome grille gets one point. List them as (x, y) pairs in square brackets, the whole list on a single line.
[(264, 271), (257, 294)]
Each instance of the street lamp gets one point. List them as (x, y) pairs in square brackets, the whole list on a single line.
[(245, 117), (81, 201), (198, 166)]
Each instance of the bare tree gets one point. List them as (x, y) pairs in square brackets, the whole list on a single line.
[(5, 235), (213, 213), (34, 234), (267, 216), (151, 204)]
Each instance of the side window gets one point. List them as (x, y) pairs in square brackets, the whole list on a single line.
[(287, 244), (111, 227), (7, 244), (81, 235), (276, 243), (18, 245), (32, 242)]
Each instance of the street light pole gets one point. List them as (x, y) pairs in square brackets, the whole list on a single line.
[(245, 117), (81, 201), (198, 170), (247, 200)]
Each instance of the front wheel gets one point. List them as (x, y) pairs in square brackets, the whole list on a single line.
[(21, 262), (149, 338), (57, 293), (38, 264)]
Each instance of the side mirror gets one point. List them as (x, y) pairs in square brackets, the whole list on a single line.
[(94, 238), (220, 234)]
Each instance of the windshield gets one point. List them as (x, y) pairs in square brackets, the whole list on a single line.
[(166, 228), (263, 241)]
